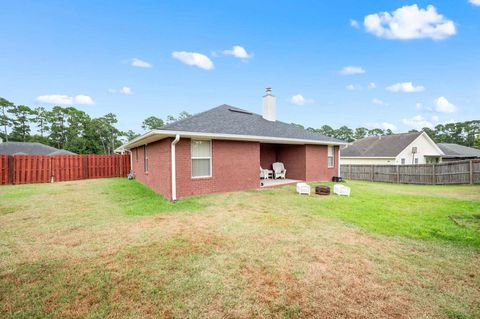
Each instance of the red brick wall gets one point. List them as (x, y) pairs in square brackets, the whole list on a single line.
[(235, 167), (293, 158), (158, 177), (268, 155), (317, 163)]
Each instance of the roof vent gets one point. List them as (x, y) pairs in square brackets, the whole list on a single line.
[(269, 106), (240, 111)]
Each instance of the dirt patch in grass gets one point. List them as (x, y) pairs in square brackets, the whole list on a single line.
[(250, 254)]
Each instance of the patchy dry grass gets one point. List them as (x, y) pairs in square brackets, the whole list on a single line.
[(92, 249)]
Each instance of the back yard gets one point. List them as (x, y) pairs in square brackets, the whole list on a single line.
[(113, 248)]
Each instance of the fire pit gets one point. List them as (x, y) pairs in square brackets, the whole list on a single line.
[(322, 190)]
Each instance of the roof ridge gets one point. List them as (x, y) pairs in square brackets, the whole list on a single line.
[(194, 115), (241, 124)]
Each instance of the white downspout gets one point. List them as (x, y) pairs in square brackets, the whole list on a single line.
[(174, 174), (131, 161), (338, 162)]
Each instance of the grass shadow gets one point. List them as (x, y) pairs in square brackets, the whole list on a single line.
[(136, 199)]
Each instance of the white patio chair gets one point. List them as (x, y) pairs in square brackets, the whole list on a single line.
[(303, 188), (265, 173), (341, 190), (279, 170)]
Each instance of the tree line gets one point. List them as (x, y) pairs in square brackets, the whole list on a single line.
[(464, 133), (74, 130), (69, 128)]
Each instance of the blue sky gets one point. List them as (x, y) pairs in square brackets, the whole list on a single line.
[(81, 52)]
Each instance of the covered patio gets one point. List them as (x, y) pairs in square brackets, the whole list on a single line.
[(291, 155)]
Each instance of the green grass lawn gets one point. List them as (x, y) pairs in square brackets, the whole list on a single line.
[(113, 248)]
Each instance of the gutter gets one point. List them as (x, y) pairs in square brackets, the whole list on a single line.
[(160, 134), (174, 173)]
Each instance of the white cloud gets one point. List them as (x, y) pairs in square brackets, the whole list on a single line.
[(417, 122), (354, 24), (83, 99), (352, 70), (140, 63), (372, 85), (238, 52), (410, 22), (405, 87), (353, 87), (475, 2), (194, 58), (300, 100), (383, 126), (442, 105), (61, 99), (378, 102), (124, 90)]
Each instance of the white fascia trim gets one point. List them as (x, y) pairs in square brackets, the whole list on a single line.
[(234, 137), (364, 157), (433, 144)]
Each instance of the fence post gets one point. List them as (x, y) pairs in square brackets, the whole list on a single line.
[(434, 175), (471, 172), (372, 173), (398, 174), (85, 166), (51, 175), (350, 171), (9, 172)]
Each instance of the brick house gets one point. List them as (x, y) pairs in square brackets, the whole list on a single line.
[(222, 150)]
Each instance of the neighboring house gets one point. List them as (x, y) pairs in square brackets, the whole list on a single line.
[(395, 149), (455, 152), (223, 149), (27, 148)]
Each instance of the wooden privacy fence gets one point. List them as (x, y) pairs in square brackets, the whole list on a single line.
[(27, 169), (461, 172)]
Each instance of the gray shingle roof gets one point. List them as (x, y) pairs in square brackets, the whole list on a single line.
[(380, 146), (26, 148), (458, 151), (226, 119)]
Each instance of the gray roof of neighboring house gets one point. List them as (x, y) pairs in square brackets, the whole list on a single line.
[(226, 119), (380, 146), (458, 151), (27, 148)]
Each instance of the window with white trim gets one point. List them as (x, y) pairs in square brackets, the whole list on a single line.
[(201, 158), (403, 161), (145, 158), (331, 156)]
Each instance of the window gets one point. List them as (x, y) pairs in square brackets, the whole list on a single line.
[(201, 158), (331, 157), (145, 159), (416, 161), (403, 161)]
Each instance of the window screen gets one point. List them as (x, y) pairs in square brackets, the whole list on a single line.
[(331, 156), (201, 158)]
